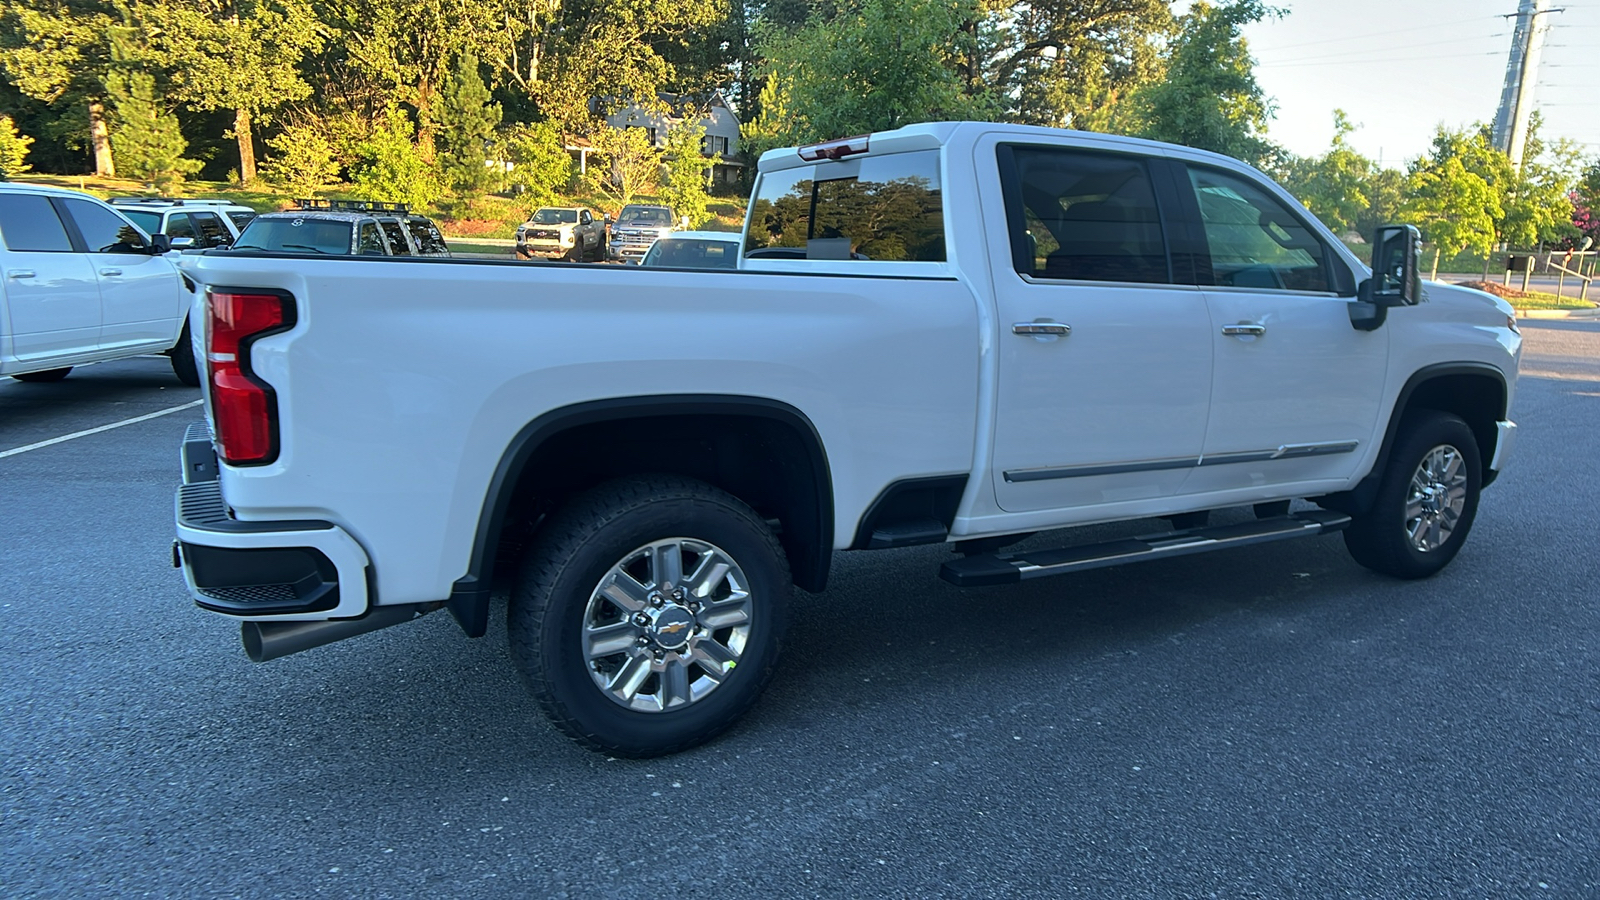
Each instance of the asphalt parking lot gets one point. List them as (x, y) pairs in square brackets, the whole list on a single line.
[(1271, 721)]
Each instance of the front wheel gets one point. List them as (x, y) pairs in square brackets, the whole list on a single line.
[(47, 375), (648, 614), (1426, 501)]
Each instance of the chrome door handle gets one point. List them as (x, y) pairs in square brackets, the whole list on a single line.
[(110, 271), (1041, 328), (1245, 328), (20, 273)]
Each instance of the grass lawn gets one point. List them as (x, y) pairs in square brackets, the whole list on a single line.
[(1541, 300)]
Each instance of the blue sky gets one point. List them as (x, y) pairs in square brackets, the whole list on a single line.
[(1400, 68)]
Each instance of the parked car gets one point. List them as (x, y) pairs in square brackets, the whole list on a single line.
[(573, 233), (990, 331), (637, 227), (695, 250), (83, 284), (204, 223), (345, 228)]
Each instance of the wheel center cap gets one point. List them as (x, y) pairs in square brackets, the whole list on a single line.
[(672, 626)]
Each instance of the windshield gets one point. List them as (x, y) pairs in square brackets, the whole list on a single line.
[(645, 215), (693, 253), (149, 221), (296, 236), (555, 217)]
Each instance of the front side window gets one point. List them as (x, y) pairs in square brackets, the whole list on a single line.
[(212, 233), (1254, 241), (178, 225), (103, 230), (1084, 217), (28, 223), (369, 242), (149, 221), (884, 208)]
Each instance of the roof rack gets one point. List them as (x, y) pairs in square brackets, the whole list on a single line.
[(175, 201), (353, 205)]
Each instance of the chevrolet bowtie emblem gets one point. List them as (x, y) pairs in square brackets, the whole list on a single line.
[(674, 628)]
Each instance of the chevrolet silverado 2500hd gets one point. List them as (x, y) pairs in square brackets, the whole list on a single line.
[(957, 333)]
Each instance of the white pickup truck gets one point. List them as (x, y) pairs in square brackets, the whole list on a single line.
[(956, 333)]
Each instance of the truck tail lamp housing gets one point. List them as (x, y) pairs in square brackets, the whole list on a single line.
[(837, 149), (244, 408)]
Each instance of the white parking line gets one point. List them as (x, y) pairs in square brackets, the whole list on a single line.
[(78, 434)]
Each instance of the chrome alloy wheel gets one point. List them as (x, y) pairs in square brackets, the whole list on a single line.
[(1437, 496), (657, 639)]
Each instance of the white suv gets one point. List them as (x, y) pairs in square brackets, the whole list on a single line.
[(81, 284), (206, 223)]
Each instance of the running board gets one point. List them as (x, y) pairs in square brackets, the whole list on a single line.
[(1007, 568)]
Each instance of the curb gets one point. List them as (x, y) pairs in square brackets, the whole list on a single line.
[(1557, 314)]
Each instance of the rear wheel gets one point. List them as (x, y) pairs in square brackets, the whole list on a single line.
[(1426, 502), (47, 375), (183, 363), (648, 614)]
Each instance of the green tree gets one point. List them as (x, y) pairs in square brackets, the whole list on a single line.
[(687, 169), (874, 66), (1336, 186), (302, 161), (13, 150), (236, 55), (632, 159), (1456, 209), (144, 131), (59, 52), (390, 167), (541, 165), (467, 122), (1209, 97)]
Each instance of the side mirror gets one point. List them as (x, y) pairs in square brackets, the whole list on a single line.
[(1396, 276), (160, 244), (1397, 266), (182, 243)]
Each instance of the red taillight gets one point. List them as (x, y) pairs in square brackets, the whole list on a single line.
[(838, 149), (243, 408)]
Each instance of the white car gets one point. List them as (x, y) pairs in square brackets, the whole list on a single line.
[(695, 250), (83, 284), (959, 333), (205, 223)]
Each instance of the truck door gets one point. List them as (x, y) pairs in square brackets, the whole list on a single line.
[(52, 303), (1104, 362), (1297, 390), (140, 294)]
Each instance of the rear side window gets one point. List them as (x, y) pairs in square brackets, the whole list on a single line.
[(28, 223), (240, 218), (886, 208), (1254, 241), (212, 233), (429, 241), (103, 230), (1083, 216), (397, 237)]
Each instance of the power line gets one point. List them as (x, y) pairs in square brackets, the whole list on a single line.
[(1381, 34), (1382, 59), (1409, 47)]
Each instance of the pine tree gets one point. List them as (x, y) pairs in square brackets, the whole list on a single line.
[(145, 136), (466, 122), (13, 150)]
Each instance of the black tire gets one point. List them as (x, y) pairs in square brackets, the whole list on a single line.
[(1381, 539), (574, 255), (44, 377), (552, 605), (183, 363)]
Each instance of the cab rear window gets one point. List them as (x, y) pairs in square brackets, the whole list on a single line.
[(888, 208)]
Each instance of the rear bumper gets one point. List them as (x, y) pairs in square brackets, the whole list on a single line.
[(260, 571)]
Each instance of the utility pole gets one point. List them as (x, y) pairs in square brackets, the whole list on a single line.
[(1522, 74)]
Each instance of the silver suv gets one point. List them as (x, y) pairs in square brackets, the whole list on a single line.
[(345, 228)]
